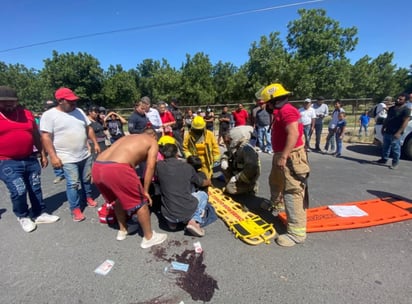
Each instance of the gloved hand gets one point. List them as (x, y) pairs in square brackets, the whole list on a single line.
[(224, 164), (233, 179)]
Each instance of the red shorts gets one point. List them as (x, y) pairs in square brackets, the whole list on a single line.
[(119, 181)]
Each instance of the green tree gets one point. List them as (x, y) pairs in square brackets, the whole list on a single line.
[(318, 46), (223, 81), (80, 72), (119, 88), (268, 62), (241, 91), (197, 82), (363, 78), (404, 78), (158, 80), (385, 72)]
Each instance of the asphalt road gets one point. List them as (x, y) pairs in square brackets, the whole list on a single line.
[(56, 263)]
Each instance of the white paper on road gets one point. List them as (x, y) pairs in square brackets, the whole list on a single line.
[(105, 267), (347, 211)]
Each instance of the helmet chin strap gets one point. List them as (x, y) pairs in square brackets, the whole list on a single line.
[(276, 105), (280, 104)]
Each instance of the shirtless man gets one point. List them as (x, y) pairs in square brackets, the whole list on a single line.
[(115, 176)]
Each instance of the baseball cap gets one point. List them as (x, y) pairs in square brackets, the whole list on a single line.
[(307, 100), (49, 104), (7, 93), (321, 98), (66, 94), (388, 99)]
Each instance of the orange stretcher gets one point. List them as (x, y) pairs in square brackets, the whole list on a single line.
[(247, 226), (379, 211)]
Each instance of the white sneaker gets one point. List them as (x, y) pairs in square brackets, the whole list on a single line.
[(157, 238), (121, 235), (58, 179), (46, 218), (27, 224)]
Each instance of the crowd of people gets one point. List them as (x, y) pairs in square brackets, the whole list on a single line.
[(87, 148)]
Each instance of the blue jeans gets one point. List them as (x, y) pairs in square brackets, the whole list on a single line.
[(22, 177), (338, 144), (58, 172), (253, 139), (318, 134), (78, 174), (306, 132), (364, 127), (330, 140), (264, 139), (202, 198), (391, 143)]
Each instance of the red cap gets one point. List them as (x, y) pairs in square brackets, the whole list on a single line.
[(66, 94)]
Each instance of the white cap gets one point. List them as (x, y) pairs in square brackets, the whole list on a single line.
[(308, 100)]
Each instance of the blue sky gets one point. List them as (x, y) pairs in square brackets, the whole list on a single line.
[(382, 26)]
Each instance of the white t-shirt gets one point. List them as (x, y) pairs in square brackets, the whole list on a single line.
[(154, 118), (306, 115), (381, 109), (335, 118), (409, 105), (68, 132)]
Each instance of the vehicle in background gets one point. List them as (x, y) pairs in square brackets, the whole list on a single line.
[(406, 139)]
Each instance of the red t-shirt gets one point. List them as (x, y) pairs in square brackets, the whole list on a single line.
[(240, 117), (16, 134), (167, 117), (281, 118)]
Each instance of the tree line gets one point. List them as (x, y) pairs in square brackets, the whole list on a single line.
[(311, 62)]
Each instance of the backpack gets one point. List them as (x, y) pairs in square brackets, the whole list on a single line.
[(372, 111)]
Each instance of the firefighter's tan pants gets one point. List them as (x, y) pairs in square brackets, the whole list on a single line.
[(288, 185)]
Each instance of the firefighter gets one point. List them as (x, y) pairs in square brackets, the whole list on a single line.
[(240, 163), (290, 168), (201, 142)]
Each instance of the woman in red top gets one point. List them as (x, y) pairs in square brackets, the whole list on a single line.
[(167, 118), (19, 166)]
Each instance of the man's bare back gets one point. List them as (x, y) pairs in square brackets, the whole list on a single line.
[(132, 149)]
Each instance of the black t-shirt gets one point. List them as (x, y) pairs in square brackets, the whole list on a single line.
[(178, 115), (137, 123), (224, 125), (209, 124), (262, 118), (395, 118), (98, 129), (176, 179)]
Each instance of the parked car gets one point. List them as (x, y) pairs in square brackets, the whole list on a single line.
[(406, 139)]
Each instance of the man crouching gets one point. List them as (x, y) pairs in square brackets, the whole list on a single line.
[(115, 176), (180, 203), (240, 163)]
